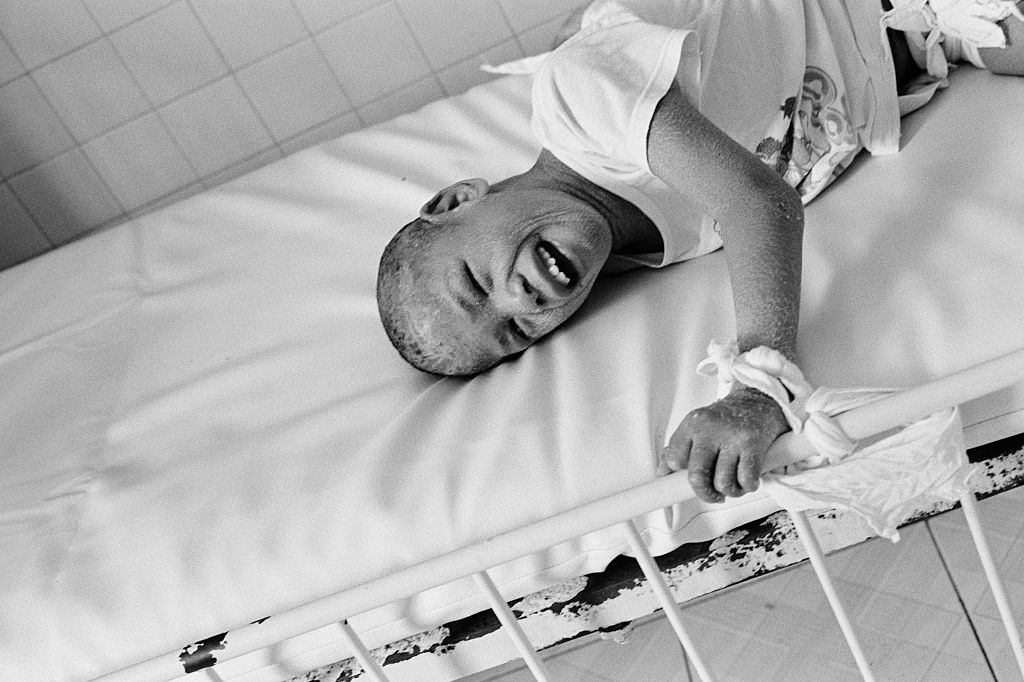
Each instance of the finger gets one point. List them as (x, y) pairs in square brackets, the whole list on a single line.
[(725, 473), (676, 455), (701, 468), (748, 473)]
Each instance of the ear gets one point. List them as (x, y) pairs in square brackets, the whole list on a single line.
[(455, 195)]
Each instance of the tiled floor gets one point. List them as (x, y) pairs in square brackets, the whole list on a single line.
[(922, 610)]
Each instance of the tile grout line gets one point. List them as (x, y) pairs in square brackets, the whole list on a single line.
[(330, 69), (35, 222), (145, 96), (200, 180), (511, 29), (233, 75), (104, 33), (959, 598), (419, 46)]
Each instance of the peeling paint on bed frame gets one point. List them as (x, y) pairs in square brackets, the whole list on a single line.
[(609, 601)]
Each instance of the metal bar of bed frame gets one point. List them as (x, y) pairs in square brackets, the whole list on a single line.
[(618, 509)]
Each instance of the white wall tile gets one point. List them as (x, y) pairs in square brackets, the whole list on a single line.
[(29, 130), (230, 129), (319, 14), (39, 31), (294, 90), (456, 29), (538, 39), (10, 65), (91, 90), (402, 101), (336, 127), (169, 53), (242, 167), (367, 72), (19, 237), (524, 14), (113, 14), (246, 30), (139, 162), (376, 59), (65, 196), (464, 75)]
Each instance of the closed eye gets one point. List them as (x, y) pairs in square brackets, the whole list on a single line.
[(473, 281)]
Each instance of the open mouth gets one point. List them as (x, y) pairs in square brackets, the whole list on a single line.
[(557, 264)]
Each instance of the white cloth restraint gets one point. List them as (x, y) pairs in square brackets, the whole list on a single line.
[(954, 29), (762, 368), (884, 481)]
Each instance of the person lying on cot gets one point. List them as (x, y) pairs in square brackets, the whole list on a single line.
[(668, 132)]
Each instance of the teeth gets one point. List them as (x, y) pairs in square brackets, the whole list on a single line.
[(553, 266)]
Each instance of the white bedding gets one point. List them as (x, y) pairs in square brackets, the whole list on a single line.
[(204, 424)]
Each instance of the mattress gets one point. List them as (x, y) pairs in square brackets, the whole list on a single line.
[(204, 423)]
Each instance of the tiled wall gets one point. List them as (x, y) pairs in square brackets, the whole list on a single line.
[(110, 108)]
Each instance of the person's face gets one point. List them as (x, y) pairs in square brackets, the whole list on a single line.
[(506, 267)]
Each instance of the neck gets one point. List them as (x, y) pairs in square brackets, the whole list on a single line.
[(631, 230)]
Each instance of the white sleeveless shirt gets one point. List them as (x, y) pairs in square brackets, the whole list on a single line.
[(802, 85)]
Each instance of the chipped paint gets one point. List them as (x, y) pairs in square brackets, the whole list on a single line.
[(532, 603), (431, 641), (200, 655), (726, 539), (609, 601), (342, 671)]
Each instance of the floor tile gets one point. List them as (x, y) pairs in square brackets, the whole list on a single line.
[(762, 658), (997, 647), (905, 611), (946, 667), (1001, 522)]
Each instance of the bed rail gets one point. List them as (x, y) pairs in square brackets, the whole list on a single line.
[(615, 510)]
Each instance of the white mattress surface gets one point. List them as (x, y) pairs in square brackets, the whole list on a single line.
[(203, 422)]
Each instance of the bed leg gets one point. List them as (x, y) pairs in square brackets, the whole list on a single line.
[(362, 654), (970, 507), (817, 557), (511, 624), (664, 595)]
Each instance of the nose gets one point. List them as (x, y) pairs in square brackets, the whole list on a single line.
[(516, 296)]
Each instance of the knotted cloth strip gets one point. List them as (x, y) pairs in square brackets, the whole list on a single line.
[(762, 368), (885, 481), (950, 30)]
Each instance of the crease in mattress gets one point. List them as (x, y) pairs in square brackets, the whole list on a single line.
[(67, 333), (175, 400), (77, 491)]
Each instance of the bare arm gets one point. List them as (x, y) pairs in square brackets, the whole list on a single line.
[(761, 219)]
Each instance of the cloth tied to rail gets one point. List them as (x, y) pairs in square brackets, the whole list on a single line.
[(950, 30), (884, 481)]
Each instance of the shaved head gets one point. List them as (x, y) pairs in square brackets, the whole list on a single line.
[(485, 272), (418, 321)]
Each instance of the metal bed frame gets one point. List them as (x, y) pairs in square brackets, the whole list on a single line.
[(615, 510)]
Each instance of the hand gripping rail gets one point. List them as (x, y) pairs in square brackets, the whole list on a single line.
[(615, 510)]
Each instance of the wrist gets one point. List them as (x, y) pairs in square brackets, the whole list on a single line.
[(738, 390), (755, 376)]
